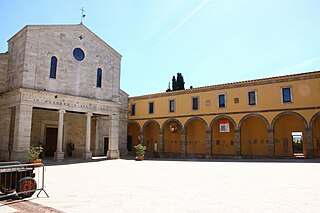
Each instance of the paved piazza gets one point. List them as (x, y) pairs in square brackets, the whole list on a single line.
[(183, 186)]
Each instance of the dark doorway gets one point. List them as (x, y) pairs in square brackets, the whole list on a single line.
[(106, 145), (297, 142), (51, 141), (129, 143)]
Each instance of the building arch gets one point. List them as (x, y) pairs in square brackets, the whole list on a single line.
[(315, 126), (289, 113), (254, 115), (223, 117), (254, 135), (193, 119), (172, 130), (223, 141), (287, 126), (151, 134), (134, 130), (196, 129)]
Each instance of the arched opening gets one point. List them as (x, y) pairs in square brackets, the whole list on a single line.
[(151, 135), (196, 137), (289, 135), (133, 135), (172, 136), (316, 136), (223, 137), (254, 136)]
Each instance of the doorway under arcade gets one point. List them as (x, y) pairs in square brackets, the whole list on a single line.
[(87, 133)]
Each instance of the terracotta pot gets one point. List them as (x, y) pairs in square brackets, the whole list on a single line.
[(36, 162), (139, 158)]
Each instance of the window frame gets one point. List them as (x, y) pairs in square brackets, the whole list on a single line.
[(192, 103), (76, 51), (133, 110), (53, 67), (225, 100), (174, 105), (99, 78), (149, 108), (283, 96), (255, 98)]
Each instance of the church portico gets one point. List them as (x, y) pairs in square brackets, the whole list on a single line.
[(53, 124)]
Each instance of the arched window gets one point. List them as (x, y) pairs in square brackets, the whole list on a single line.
[(99, 77), (53, 67)]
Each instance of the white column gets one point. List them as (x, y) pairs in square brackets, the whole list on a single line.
[(113, 152), (88, 153), (59, 154)]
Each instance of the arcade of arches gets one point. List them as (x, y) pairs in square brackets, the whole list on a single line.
[(288, 134)]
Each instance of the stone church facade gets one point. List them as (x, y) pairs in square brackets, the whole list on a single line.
[(59, 85)]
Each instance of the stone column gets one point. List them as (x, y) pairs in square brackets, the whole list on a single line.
[(208, 143), (5, 123), (22, 133), (113, 152), (309, 143), (97, 141), (59, 154), (88, 154), (238, 142), (183, 147), (161, 142), (271, 149)]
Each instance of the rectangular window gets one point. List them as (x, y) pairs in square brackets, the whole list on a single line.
[(99, 77), (53, 67), (172, 106), (151, 107), (252, 98), (195, 103), (222, 100), (133, 109), (286, 95)]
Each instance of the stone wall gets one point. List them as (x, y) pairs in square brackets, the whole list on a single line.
[(73, 77), (17, 65), (123, 124), (4, 58)]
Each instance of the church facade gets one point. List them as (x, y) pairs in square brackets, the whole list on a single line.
[(60, 86), (276, 117)]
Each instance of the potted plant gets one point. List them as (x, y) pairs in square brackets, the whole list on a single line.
[(140, 150), (34, 153), (70, 149)]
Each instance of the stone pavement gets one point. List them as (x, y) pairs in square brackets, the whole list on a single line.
[(181, 186)]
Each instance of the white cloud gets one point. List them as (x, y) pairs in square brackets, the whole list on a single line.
[(303, 66), (181, 23)]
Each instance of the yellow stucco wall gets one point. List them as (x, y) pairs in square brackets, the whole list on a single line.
[(196, 137), (284, 127), (172, 140), (223, 143), (254, 136)]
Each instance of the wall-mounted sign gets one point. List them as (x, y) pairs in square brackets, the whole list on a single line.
[(224, 125)]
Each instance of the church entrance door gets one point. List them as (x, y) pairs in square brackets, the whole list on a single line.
[(106, 145), (51, 141)]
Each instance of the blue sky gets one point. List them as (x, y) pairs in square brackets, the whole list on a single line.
[(209, 41)]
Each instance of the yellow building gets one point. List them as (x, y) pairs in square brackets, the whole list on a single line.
[(271, 117)]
